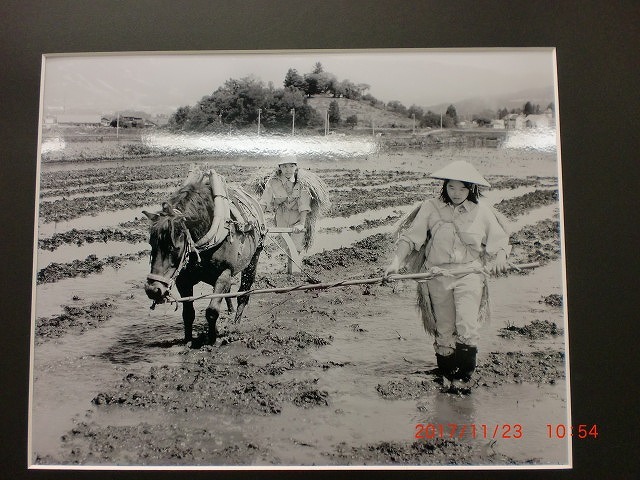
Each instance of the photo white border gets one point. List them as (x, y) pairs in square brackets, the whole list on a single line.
[(551, 50)]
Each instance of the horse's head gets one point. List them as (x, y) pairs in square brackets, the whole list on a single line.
[(169, 251)]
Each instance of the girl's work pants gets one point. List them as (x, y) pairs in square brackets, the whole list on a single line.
[(456, 303)]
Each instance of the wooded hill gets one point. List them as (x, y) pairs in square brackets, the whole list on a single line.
[(365, 112)]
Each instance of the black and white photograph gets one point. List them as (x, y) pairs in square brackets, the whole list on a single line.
[(300, 259)]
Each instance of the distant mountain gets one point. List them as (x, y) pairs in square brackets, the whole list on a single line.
[(467, 107), (537, 96)]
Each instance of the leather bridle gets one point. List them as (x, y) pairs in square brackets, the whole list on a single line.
[(189, 247)]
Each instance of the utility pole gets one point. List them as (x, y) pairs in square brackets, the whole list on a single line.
[(326, 123), (293, 121), (259, 112), (440, 120), (118, 127), (414, 123)]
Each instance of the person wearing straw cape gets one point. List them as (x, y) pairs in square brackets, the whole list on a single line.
[(298, 197), (453, 232)]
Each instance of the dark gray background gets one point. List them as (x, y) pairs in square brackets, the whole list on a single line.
[(597, 44)]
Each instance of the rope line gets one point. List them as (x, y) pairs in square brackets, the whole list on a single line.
[(434, 272)]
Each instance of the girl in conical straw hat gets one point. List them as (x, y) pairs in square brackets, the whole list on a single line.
[(453, 232)]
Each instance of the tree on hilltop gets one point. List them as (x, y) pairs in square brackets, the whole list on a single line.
[(397, 107), (236, 103), (321, 82), (347, 89), (294, 79), (373, 101)]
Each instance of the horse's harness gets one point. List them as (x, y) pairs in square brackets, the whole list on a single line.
[(241, 207)]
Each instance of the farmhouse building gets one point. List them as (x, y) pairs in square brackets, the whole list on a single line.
[(539, 121), (514, 121), (131, 122)]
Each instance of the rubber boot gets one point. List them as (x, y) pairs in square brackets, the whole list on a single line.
[(465, 361), (447, 367)]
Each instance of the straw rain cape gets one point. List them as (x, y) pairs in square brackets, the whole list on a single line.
[(414, 263)]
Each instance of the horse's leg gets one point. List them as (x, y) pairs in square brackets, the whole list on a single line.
[(229, 300), (230, 308), (248, 276), (222, 285), (188, 312)]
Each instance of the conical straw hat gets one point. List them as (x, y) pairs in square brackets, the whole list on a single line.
[(462, 171)]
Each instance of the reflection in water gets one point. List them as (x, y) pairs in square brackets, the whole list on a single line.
[(447, 407), (104, 220), (133, 344), (512, 424), (68, 253)]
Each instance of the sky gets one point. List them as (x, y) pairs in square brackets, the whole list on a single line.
[(161, 82)]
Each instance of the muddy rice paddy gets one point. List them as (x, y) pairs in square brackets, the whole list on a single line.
[(338, 377)]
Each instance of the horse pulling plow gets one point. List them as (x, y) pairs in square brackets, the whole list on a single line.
[(230, 228)]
